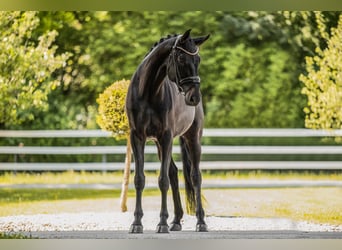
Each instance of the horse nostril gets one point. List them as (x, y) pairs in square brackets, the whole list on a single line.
[(193, 99)]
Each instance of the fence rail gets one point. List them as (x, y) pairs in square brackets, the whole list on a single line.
[(219, 150), (209, 132), (205, 165)]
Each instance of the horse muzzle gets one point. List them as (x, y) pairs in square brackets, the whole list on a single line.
[(193, 96)]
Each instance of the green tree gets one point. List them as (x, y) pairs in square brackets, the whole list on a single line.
[(323, 82), (103, 48), (258, 63), (255, 88), (25, 67), (109, 45), (257, 74)]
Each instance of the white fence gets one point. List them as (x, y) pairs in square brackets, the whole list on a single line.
[(206, 150)]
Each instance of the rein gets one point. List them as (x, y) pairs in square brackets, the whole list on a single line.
[(183, 81)]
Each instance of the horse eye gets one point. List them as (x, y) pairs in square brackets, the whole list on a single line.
[(181, 58)]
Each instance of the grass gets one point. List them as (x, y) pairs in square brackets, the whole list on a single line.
[(73, 177), (68, 177), (273, 175), (36, 201), (9, 195), (13, 236)]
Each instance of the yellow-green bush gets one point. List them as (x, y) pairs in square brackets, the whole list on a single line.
[(323, 83), (111, 111)]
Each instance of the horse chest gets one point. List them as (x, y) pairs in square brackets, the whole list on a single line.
[(153, 121), (183, 120)]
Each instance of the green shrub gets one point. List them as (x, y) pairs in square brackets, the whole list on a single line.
[(323, 83), (111, 111)]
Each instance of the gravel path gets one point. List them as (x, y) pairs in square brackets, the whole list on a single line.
[(104, 215), (121, 221)]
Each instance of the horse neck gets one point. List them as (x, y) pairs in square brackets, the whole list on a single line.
[(153, 70)]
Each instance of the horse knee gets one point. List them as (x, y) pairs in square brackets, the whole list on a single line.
[(164, 183), (139, 182)]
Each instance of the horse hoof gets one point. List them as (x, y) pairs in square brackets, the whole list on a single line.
[(176, 227), (162, 229), (201, 228), (136, 229)]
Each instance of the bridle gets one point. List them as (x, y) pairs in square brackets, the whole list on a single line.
[(186, 80)]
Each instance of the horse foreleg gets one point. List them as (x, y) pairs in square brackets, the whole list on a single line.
[(138, 146), (165, 142)]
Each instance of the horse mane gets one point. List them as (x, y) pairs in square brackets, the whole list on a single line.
[(145, 73), (159, 42)]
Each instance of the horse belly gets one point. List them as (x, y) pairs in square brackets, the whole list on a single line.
[(152, 130)]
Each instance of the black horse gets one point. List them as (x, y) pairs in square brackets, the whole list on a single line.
[(164, 101)]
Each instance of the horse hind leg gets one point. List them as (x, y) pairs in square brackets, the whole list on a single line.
[(191, 151), (178, 210)]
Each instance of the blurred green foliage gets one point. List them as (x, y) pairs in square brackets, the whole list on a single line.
[(256, 88), (249, 69), (25, 67)]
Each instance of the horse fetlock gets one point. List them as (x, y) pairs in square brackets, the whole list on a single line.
[(200, 213), (138, 214)]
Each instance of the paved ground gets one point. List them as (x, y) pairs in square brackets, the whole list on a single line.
[(279, 234)]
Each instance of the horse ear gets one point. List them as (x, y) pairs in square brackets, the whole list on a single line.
[(185, 35), (199, 40)]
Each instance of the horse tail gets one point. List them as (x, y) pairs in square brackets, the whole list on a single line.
[(190, 200)]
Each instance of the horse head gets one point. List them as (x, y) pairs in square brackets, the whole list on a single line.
[(183, 65)]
